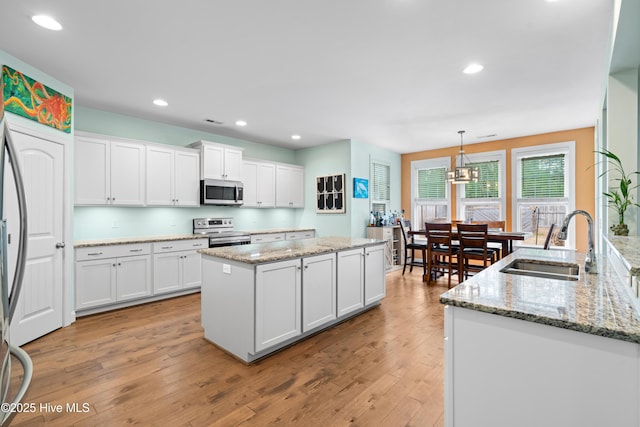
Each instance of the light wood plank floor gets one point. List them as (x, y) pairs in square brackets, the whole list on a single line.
[(150, 365)]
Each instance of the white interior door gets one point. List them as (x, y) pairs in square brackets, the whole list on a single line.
[(39, 309)]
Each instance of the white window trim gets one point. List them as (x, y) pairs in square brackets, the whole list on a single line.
[(569, 150), (373, 201), (501, 157), (439, 162)]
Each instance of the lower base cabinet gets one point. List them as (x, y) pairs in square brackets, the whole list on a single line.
[(505, 372), (318, 291), (374, 282), (278, 307), (350, 286), (110, 274), (176, 265), (253, 310), (114, 274)]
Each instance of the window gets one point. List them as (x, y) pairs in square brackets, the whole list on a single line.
[(484, 200), (544, 190), (429, 190), (380, 186)]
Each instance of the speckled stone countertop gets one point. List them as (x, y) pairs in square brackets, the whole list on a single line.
[(289, 249), (129, 240), (629, 248), (278, 230), (595, 304)]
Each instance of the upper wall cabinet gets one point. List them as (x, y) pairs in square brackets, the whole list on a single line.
[(289, 186), (172, 176), (219, 161), (259, 180), (109, 172)]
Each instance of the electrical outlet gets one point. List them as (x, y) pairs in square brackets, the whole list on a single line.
[(226, 268), (115, 224)]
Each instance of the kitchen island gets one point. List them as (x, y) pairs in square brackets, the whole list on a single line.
[(259, 298), (531, 351)]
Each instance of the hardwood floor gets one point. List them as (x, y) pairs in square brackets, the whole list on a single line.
[(150, 365)]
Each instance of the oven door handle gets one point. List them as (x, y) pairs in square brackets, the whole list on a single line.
[(237, 193)]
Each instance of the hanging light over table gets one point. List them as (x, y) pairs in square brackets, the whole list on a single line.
[(463, 174)]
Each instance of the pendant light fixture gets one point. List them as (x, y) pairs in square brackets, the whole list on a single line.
[(463, 174)]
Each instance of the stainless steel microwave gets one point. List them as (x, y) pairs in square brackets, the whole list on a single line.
[(221, 192)]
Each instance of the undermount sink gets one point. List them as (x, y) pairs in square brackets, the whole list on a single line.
[(543, 269)]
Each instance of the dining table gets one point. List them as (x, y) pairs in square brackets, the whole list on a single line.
[(505, 238)]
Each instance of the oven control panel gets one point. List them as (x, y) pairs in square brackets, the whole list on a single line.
[(212, 223)]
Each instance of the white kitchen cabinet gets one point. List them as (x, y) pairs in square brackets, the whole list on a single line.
[(501, 371), (297, 235), (374, 274), (172, 177), (219, 161), (110, 274), (176, 265), (392, 235), (350, 283), (277, 303), (267, 237), (289, 186), (318, 291), (259, 181), (109, 172)]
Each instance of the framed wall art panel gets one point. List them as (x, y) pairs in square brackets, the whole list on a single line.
[(330, 194)]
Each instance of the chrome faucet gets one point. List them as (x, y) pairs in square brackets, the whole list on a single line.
[(590, 265)]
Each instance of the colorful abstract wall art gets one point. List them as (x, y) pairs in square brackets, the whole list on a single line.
[(28, 98)]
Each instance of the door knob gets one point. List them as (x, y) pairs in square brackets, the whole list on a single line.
[(60, 245)]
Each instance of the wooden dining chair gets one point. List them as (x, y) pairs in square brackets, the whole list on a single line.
[(441, 255), (496, 248), (410, 245), (547, 240), (474, 255)]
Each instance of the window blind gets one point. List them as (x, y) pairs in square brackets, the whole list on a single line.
[(543, 177), (431, 183), (381, 182), (488, 184)]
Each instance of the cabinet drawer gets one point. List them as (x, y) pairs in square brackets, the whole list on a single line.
[(265, 238), (180, 245), (294, 235), (112, 251)]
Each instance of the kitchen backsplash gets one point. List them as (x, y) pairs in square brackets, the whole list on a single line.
[(112, 222)]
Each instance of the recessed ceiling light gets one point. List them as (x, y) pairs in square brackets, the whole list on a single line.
[(241, 123), (296, 137), (160, 102), (47, 22), (473, 68)]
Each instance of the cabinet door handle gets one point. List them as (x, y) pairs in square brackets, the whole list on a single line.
[(95, 253), (135, 250), (197, 245), (306, 267), (114, 265), (60, 245), (167, 247)]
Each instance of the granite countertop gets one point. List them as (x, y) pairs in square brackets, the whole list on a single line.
[(261, 253), (278, 230), (595, 304), (629, 249), (128, 240)]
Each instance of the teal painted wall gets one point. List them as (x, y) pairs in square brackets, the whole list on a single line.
[(361, 156), (352, 158), (330, 159)]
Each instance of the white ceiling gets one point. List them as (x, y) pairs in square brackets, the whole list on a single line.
[(383, 72)]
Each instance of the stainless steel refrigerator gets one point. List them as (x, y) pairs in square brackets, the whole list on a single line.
[(10, 403)]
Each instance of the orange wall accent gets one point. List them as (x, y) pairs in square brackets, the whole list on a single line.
[(584, 180)]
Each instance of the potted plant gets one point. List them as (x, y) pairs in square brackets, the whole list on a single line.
[(619, 198)]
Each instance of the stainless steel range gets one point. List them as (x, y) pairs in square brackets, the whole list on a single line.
[(220, 232)]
